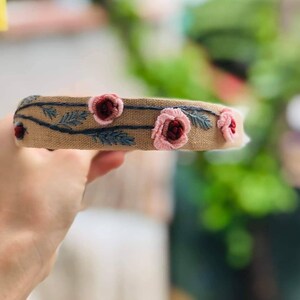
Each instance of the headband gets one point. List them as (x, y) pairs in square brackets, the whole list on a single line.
[(108, 122)]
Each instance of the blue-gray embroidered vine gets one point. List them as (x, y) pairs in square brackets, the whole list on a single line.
[(134, 107), (109, 135)]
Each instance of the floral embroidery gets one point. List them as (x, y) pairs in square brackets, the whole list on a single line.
[(227, 124), (198, 119), (73, 118), (171, 129), (20, 130), (106, 108), (112, 137), (28, 100), (50, 112)]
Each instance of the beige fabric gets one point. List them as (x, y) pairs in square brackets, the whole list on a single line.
[(41, 137)]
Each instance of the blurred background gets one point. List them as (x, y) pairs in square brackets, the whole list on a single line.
[(184, 225)]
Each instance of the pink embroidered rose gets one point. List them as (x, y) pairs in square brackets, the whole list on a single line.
[(227, 125), (171, 129), (106, 108)]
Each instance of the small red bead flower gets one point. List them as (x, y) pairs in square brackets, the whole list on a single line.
[(171, 129), (106, 108), (227, 124), (20, 130)]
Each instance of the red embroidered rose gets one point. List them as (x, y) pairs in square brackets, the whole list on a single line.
[(106, 108), (20, 130), (171, 129), (227, 125)]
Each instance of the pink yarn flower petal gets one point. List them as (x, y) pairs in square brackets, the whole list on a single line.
[(106, 108), (227, 124), (171, 129)]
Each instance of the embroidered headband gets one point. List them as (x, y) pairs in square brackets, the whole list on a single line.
[(108, 122)]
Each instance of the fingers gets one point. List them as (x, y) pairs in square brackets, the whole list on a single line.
[(48, 267), (7, 138), (72, 159), (88, 155), (104, 162), (93, 163), (9, 148)]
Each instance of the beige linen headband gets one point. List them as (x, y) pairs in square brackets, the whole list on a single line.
[(109, 122)]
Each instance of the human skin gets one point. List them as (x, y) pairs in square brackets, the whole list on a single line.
[(40, 194)]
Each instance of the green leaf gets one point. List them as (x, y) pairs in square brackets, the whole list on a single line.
[(113, 137), (199, 119), (28, 100), (73, 118), (49, 112)]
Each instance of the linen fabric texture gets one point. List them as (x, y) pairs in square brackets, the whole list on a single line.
[(67, 123)]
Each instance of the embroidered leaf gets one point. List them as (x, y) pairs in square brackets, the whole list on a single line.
[(199, 119), (113, 137), (73, 118), (28, 100), (49, 112)]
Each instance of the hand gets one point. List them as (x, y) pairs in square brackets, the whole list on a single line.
[(40, 194)]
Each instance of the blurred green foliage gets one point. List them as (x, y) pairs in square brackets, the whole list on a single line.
[(234, 30), (244, 38)]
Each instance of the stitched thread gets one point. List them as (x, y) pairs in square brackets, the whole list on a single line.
[(113, 137), (28, 100), (20, 130), (49, 112), (65, 104), (171, 129), (140, 111), (199, 119), (133, 107), (106, 108), (183, 107), (107, 136), (73, 118), (83, 131), (227, 124)]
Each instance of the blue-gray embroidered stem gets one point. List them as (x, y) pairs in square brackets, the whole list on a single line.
[(113, 137), (73, 118), (28, 100), (199, 119), (133, 107), (82, 131), (182, 107), (107, 136), (50, 112), (41, 104)]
